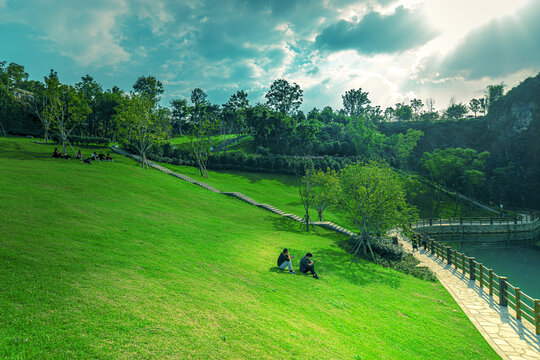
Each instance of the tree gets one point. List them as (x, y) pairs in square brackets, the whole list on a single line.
[(180, 114), (474, 106), (305, 186), (416, 106), (455, 111), (402, 145), (65, 108), (403, 112), (201, 140), (483, 106), (234, 113), (374, 200), (90, 91), (140, 124), (449, 167), (150, 86), (430, 105), (324, 189), (389, 113), (284, 97), (355, 101), (493, 93)]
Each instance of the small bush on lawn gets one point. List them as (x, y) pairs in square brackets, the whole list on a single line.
[(393, 256)]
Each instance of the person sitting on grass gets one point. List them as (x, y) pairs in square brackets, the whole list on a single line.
[(56, 154), (79, 155), (109, 157), (284, 261), (94, 156), (306, 264), (101, 157)]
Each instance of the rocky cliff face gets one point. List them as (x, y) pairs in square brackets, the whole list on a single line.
[(510, 132)]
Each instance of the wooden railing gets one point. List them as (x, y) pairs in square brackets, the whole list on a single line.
[(524, 219), (525, 307)]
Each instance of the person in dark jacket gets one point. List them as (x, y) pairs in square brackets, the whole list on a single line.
[(306, 264), (284, 261)]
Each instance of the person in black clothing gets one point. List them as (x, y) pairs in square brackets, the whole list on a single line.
[(101, 157), (56, 154), (306, 264), (284, 261)]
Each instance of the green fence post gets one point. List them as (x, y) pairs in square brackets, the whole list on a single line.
[(503, 297), (518, 303), (472, 273), (537, 315), (449, 255), (481, 275), (490, 272)]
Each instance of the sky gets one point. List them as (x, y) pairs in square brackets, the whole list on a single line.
[(396, 50)]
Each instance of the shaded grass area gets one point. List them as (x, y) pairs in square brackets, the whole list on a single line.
[(112, 261)]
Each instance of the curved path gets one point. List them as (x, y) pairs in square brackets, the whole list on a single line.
[(511, 338)]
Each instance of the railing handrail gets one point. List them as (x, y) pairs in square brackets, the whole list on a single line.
[(526, 219), (477, 271)]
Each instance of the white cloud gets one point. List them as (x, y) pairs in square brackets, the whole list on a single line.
[(87, 34)]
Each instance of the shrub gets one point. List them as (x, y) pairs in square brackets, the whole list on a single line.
[(83, 140)]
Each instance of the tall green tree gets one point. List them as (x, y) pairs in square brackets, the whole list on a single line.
[(234, 113), (284, 97), (324, 190), (201, 138), (403, 112), (140, 124), (374, 200), (402, 145), (455, 111), (150, 86), (91, 91), (66, 108), (493, 93), (475, 106), (416, 106), (180, 115), (355, 102)]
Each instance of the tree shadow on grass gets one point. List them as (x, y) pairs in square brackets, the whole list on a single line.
[(337, 261), (353, 269)]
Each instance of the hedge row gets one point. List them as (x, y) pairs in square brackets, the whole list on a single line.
[(83, 140), (282, 164)]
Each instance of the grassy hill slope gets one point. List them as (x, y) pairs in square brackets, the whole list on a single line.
[(112, 261)]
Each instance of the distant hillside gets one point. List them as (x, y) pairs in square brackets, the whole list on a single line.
[(510, 132)]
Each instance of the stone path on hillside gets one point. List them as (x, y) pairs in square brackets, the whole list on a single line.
[(512, 339), (238, 195)]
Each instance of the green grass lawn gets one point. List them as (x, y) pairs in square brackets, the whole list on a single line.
[(113, 261)]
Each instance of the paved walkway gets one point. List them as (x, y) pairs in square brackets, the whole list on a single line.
[(512, 339)]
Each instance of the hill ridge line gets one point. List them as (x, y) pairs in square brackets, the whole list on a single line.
[(238, 195)]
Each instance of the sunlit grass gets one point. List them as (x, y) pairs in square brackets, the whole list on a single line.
[(112, 261)]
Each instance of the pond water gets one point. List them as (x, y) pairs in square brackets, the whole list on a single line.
[(516, 256)]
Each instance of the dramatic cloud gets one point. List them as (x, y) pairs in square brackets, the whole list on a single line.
[(85, 33), (376, 33), (325, 46), (501, 47)]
